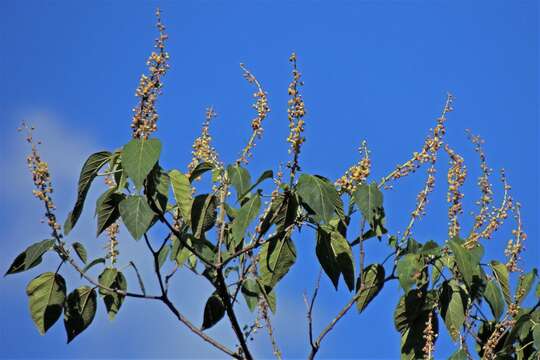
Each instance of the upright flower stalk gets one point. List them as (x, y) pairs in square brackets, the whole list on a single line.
[(295, 113), (145, 115)]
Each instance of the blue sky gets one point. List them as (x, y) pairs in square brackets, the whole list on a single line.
[(374, 70)]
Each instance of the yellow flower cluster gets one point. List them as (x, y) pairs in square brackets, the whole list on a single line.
[(457, 173), (429, 336), (495, 218), (295, 113), (429, 150), (262, 108), (202, 147), (483, 183), (42, 180), (356, 174), (145, 114), (422, 197), (515, 246), (112, 244)]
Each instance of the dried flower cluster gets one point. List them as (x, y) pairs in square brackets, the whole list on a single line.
[(202, 146), (356, 174), (457, 173), (262, 108), (295, 113), (42, 180), (145, 114)]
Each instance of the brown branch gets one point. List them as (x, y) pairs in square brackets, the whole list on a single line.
[(317, 344)]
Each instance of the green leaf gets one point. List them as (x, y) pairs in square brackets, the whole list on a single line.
[(536, 336), (251, 292), (46, 295), (466, 261), (501, 274), (203, 214), (459, 355), (199, 170), (373, 284), (268, 174), (112, 279), (89, 171), (276, 258), (240, 179), (525, 285), (80, 251), (30, 257), (182, 191), (453, 307), (107, 209), (269, 297), (79, 311), (92, 264), (244, 217), (158, 183), (139, 157), (179, 252), (370, 202), (214, 310), (327, 257), (162, 256), (136, 215), (320, 196), (494, 299), (408, 270)]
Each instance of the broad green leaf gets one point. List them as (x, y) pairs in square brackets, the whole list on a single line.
[(494, 298), (466, 261), (46, 295), (240, 179), (139, 157), (204, 248), (80, 251), (370, 202), (79, 311), (327, 257), (182, 191), (244, 217), (162, 255), (199, 170), (525, 285), (410, 319), (282, 213), (268, 174), (179, 252), (214, 310), (92, 264), (320, 196), (501, 274), (251, 292), (408, 270), (30, 257), (373, 283), (269, 297), (276, 258), (459, 355), (536, 336), (203, 214), (158, 183), (136, 215), (335, 256), (452, 307), (107, 209), (344, 257), (89, 171), (112, 279)]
